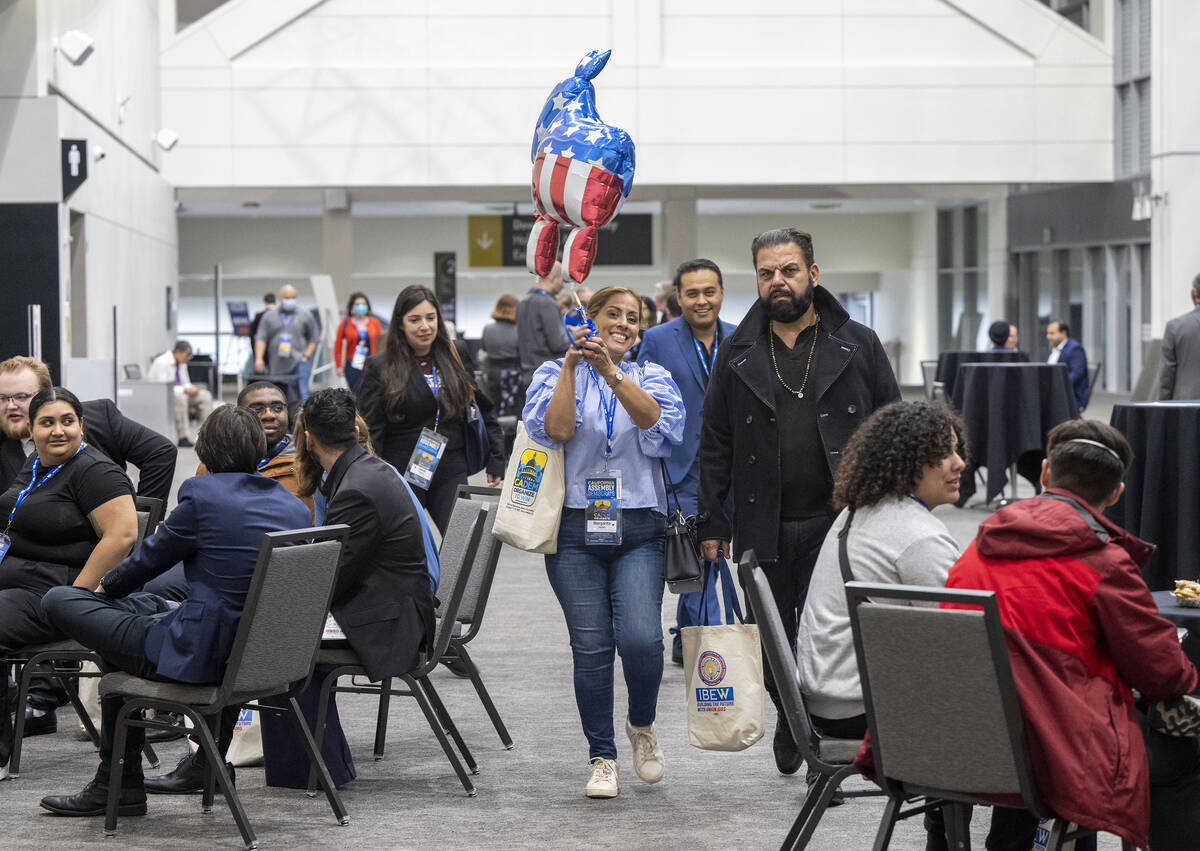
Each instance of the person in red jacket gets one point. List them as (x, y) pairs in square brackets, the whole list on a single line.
[(356, 339), (1083, 633)]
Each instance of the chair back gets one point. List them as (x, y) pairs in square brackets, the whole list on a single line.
[(284, 615), (1094, 373), (941, 702), (780, 656), (458, 558), (475, 597), (149, 514)]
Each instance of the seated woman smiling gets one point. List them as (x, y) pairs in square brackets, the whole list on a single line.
[(68, 519)]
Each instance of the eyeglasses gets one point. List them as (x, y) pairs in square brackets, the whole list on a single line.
[(18, 398), (258, 408)]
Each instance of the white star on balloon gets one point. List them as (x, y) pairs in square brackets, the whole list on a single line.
[(598, 163), (575, 106), (593, 136), (559, 101), (568, 152), (541, 132)]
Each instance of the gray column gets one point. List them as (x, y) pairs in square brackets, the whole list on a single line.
[(679, 228), (337, 243)]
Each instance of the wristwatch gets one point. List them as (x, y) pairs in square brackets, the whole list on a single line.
[(615, 379)]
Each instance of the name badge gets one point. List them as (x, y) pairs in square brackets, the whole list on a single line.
[(360, 357), (5, 543), (425, 457), (284, 346), (602, 517)]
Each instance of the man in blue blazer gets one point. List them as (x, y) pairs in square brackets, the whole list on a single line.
[(216, 531), (687, 347), (1066, 349)]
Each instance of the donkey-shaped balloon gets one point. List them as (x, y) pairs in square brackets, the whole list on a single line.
[(582, 173)]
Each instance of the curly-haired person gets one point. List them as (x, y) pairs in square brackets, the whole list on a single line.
[(901, 463)]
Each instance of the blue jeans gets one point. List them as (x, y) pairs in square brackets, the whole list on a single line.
[(612, 600), (303, 371)]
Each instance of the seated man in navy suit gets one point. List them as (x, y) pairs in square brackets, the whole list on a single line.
[(686, 347), (1066, 349), (216, 531)]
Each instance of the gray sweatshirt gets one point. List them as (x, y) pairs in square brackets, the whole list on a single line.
[(897, 541)]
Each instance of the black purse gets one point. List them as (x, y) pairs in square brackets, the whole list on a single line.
[(683, 553)]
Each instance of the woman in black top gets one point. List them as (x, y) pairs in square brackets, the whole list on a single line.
[(499, 343), (422, 380), (70, 519)]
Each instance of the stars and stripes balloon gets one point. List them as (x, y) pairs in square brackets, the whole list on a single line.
[(582, 173)]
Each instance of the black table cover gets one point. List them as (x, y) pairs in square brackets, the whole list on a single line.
[(949, 362), (1184, 617), (1008, 409), (1162, 487)]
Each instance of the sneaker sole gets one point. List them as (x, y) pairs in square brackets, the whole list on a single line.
[(123, 810), (1176, 717), (602, 795)]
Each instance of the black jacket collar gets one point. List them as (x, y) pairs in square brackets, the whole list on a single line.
[(334, 479)]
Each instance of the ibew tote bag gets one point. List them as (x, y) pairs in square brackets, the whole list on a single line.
[(723, 673), (532, 498)]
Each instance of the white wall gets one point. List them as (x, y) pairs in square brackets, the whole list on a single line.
[(365, 93)]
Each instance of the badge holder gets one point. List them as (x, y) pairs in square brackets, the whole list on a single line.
[(425, 458), (284, 347), (360, 356), (5, 543), (602, 517)]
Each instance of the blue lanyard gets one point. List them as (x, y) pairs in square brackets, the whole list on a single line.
[(35, 483), (284, 318), (608, 407), (541, 292), (704, 363), (273, 453), (919, 501), (432, 381)]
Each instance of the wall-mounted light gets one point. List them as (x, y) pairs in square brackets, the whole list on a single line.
[(99, 153), (166, 138), (76, 45)]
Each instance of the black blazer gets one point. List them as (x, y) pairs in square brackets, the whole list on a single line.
[(123, 440), (394, 441), (381, 599)]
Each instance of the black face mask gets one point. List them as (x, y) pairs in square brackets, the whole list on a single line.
[(790, 310)]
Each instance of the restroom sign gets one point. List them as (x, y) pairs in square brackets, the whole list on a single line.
[(74, 165)]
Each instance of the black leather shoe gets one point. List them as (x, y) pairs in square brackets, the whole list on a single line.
[(93, 800), (39, 725), (186, 779), (787, 755), (185, 443), (178, 731), (677, 654)]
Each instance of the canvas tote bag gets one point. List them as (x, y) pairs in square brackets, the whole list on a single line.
[(532, 498), (723, 674)]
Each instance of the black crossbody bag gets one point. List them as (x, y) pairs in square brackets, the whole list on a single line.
[(683, 553)]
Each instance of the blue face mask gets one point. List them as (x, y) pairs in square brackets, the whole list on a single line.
[(289, 304), (360, 310)]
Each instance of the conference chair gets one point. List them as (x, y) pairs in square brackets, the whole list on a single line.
[(474, 602), (66, 659), (273, 653), (942, 708), (457, 557), (831, 759)]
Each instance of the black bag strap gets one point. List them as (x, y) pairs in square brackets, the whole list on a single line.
[(843, 553), (669, 487)]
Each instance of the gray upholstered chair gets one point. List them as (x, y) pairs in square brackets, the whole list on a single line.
[(66, 657), (474, 602), (942, 706), (273, 652), (830, 758), (457, 556)]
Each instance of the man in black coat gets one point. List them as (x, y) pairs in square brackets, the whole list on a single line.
[(120, 438), (381, 600), (796, 366)]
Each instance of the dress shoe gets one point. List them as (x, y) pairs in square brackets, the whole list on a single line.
[(787, 756), (186, 779), (677, 654), (93, 800), (185, 443), (178, 731), (39, 725)]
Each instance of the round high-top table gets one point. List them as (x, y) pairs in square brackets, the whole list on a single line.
[(1183, 617), (1161, 503), (949, 362)]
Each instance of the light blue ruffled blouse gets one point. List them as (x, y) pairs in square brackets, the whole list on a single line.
[(635, 451)]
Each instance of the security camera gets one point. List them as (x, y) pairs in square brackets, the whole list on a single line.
[(166, 138), (99, 154), (77, 46)]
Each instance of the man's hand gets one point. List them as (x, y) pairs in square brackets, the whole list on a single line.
[(494, 481), (260, 365), (711, 548), (190, 391)]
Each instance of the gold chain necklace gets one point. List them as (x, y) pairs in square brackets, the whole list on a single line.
[(808, 366)]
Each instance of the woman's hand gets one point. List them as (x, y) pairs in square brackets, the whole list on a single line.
[(574, 352), (596, 355)]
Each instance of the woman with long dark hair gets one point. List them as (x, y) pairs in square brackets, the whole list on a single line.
[(418, 392), (356, 339)]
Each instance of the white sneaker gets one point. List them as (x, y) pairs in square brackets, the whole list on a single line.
[(647, 753), (603, 782)]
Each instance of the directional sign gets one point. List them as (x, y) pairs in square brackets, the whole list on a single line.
[(501, 240)]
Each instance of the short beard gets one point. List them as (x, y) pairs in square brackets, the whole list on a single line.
[(790, 310), (21, 433)]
